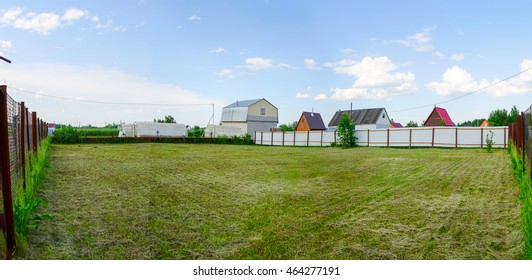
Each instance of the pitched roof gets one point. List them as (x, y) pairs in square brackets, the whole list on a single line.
[(443, 115), (314, 120), (397, 125), (360, 116), (243, 103)]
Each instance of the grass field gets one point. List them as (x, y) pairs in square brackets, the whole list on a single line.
[(186, 201)]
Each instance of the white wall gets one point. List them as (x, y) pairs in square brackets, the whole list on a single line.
[(461, 137)]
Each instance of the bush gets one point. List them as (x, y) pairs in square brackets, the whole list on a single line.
[(346, 132), (66, 135), (489, 141)]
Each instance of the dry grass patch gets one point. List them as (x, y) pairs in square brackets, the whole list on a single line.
[(179, 201)]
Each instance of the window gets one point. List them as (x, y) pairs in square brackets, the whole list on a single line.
[(383, 116), (262, 111)]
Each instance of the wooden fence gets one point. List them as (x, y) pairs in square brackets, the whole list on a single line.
[(20, 134), (521, 135), (452, 137)]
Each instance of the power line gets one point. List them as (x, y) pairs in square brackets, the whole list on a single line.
[(107, 102), (467, 94)]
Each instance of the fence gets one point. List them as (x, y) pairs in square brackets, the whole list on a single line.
[(20, 134), (457, 137), (521, 135)]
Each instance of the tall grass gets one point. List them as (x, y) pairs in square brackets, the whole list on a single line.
[(26, 202), (525, 195)]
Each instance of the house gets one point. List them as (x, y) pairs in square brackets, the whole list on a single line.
[(438, 117), (251, 115), (51, 128), (484, 123), (310, 121), (151, 129), (363, 118), (396, 125)]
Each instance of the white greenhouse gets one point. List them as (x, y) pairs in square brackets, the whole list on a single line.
[(151, 129), (222, 130)]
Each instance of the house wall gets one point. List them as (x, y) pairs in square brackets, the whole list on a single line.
[(302, 125), (270, 112), (242, 125), (434, 119), (259, 126), (383, 122)]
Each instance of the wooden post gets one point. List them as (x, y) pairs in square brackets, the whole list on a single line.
[(34, 131), (505, 140), (294, 137), (456, 138), (271, 143), (481, 137), (388, 137), (368, 137), (28, 148), (22, 144), (410, 139), (261, 136), (283, 138), (321, 140), (433, 137), (523, 146), (308, 136), (8, 218)]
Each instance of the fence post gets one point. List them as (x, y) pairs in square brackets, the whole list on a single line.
[(271, 143), (22, 144), (261, 136), (283, 138), (523, 146), (481, 137), (432, 137), (410, 139), (308, 136), (255, 137), (368, 137), (294, 137), (321, 140), (28, 148), (335, 136), (34, 131), (9, 223), (456, 138), (505, 139), (388, 137)]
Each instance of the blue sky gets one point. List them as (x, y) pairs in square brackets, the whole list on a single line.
[(299, 55)]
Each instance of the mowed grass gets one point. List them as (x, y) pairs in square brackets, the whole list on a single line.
[(186, 201)]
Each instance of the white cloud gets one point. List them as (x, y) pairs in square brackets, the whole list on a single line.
[(95, 18), (101, 84), (218, 50), (5, 45), (301, 95), (109, 26), (454, 80), (457, 57), (258, 63), (73, 14), (285, 66), (320, 96), (43, 22), (310, 64), (375, 79), (420, 41), (194, 18), (439, 55), (226, 73), (348, 51)]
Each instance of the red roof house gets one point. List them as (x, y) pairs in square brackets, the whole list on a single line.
[(438, 117)]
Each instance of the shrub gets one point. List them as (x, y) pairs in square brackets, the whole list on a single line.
[(346, 132), (66, 135), (489, 141)]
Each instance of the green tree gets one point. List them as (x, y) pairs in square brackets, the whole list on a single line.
[(513, 115), (167, 119), (346, 132), (289, 126), (412, 124), (498, 117)]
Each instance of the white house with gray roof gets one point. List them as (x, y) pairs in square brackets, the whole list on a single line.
[(251, 115)]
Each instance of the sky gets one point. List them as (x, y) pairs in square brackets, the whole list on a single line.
[(186, 58)]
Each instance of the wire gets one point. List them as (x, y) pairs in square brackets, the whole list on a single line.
[(106, 102), (467, 94)]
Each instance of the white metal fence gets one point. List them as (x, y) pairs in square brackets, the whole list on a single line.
[(457, 137)]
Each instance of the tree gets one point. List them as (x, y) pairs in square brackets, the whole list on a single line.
[(167, 119), (289, 126), (498, 117), (346, 132), (513, 115), (412, 124)]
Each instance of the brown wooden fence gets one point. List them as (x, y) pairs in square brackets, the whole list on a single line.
[(521, 135), (20, 134)]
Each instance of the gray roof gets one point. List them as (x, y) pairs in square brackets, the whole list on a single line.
[(361, 116), (314, 120), (243, 103)]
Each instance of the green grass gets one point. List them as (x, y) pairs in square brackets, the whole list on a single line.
[(185, 201), (98, 132)]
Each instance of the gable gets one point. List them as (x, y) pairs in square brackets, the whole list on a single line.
[(363, 116)]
